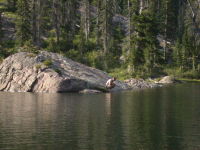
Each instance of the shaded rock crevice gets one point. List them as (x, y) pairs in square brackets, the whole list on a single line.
[(34, 83)]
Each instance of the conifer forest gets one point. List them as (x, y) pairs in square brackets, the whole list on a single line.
[(127, 38)]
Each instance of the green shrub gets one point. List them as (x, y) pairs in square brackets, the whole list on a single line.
[(38, 66), (52, 45), (58, 71), (175, 71), (180, 73), (190, 74), (120, 73), (31, 55), (11, 15), (48, 62), (1, 60), (94, 59), (29, 47), (73, 54), (8, 48)]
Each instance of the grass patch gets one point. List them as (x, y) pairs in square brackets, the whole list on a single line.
[(2, 1), (1, 60), (188, 80), (38, 66), (28, 47), (11, 15), (2, 7), (48, 62), (183, 74), (58, 71), (31, 55)]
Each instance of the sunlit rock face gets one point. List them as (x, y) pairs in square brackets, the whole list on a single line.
[(167, 80), (51, 73)]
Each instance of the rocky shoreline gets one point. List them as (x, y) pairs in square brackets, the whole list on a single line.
[(52, 73)]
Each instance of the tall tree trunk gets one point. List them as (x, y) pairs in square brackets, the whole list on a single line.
[(70, 18), (56, 19), (129, 27), (105, 32), (98, 22), (193, 62), (11, 4), (193, 14), (86, 18), (181, 15), (165, 30), (130, 67), (158, 6), (34, 21), (39, 23), (142, 6), (1, 32)]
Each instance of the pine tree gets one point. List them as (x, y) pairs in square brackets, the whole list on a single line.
[(1, 27), (177, 54), (11, 4), (146, 47), (57, 18), (106, 16), (131, 52), (69, 24), (37, 12), (24, 22)]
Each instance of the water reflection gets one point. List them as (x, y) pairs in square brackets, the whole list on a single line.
[(163, 118)]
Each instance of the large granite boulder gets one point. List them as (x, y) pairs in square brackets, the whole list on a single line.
[(167, 80), (50, 72)]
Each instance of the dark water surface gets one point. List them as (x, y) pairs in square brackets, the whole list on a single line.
[(163, 118)]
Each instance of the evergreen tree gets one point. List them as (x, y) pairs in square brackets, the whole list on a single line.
[(146, 46), (69, 24), (106, 25), (23, 22), (11, 4), (1, 27), (177, 54)]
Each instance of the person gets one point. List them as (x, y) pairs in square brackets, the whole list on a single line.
[(110, 83)]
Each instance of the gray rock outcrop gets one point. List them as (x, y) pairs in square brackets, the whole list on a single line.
[(51, 73), (140, 84)]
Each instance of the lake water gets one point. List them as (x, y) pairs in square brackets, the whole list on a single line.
[(165, 118)]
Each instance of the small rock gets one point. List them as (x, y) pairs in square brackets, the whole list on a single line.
[(17, 66), (89, 91)]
